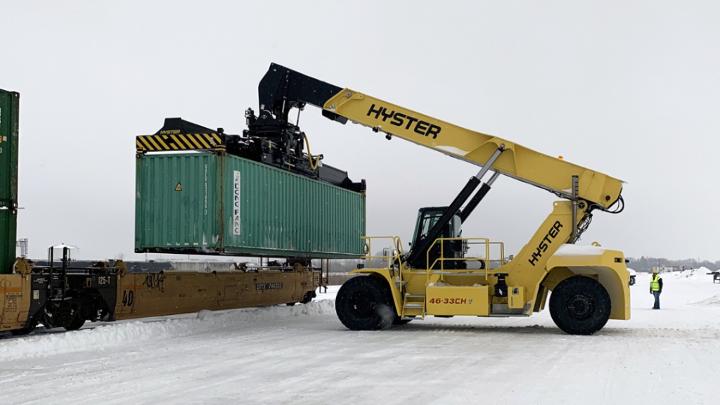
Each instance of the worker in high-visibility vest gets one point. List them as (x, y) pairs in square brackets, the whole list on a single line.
[(656, 285)]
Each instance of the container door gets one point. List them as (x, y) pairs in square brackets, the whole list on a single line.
[(176, 203)]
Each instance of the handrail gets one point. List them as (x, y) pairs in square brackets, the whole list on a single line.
[(476, 240), (397, 245), (397, 252)]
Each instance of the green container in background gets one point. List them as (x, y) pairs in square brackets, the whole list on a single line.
[(9, 117), (214, 203)]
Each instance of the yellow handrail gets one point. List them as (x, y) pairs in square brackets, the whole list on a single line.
[(441, 259), (398, 253), (397, 245), (395, 257)]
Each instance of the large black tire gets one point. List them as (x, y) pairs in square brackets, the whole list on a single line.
[(365, 303), (580, 305)]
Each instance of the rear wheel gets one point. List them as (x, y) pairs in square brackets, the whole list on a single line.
[(580, 305), (364, 303)]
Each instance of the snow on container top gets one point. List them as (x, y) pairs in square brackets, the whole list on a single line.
[(217, 203)]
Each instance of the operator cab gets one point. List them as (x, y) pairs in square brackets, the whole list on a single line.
[(426, 219)]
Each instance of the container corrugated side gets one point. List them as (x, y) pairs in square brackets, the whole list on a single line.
[(9, 117), (281, 212), (244, 208)]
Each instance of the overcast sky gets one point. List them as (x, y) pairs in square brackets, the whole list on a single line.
[(628, 88)]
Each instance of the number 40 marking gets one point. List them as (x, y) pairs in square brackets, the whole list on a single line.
[(128, 298)]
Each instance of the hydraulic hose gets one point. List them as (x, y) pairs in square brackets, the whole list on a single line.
[(314, 161)]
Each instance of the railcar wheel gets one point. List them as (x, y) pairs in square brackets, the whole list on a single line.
[(364, 303), (308, 297), (580, 305), (73, 318)]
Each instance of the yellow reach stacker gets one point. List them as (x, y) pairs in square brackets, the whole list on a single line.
[(436, 277)]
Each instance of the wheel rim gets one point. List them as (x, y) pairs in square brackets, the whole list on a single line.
[(580, 306)]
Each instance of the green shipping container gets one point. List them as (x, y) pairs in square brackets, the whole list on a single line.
[(207, 203), (9, 113)]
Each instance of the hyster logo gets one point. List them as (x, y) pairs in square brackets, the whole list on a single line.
[(545, 243), (401, 120)]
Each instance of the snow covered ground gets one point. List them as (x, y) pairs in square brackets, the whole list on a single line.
[(303, 354)]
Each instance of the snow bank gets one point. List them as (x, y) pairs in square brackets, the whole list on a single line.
[(712, 301), (131, 332), (700, 273)]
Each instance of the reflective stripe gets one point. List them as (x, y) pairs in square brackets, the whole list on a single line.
[(172, 142), (655, 283), (199, 138), (147, 144), (178, 142)]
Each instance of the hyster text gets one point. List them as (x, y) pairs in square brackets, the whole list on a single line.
[(405, 121), (545, 243)]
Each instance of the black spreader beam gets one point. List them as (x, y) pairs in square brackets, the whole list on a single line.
[(282, 89)]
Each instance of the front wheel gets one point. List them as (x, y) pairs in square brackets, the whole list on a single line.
[(364, 303), (580, 305)]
